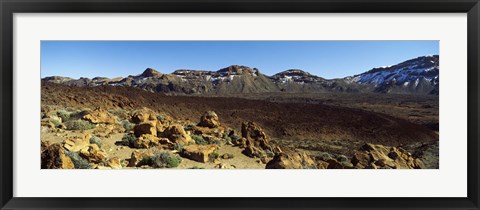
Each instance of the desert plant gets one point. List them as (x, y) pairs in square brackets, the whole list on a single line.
[(235, 138), (96, 140), (78, 161), (325, 156), (213, 156), (188, 127), (269, 153), (127, 125), (128, 139), (79, 125), (342, 158), (65, 115), (55, 122), (199, 139), (346, 164), (120, 113), (178, 146), (227, 138), (161, 117), (197, 167), (163, 160)]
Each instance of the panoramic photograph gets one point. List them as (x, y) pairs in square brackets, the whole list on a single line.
[(240, 104)]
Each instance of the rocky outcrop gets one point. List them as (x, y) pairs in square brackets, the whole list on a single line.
[(144, 115), (209, 119), (99, 116), (93, 154), (76, 144), (146, 141), (176, 134), (53, 157), (114, 163), (199, 153), (378, 156), (292, 160), (137, 157), (256, 141), (143, 128)]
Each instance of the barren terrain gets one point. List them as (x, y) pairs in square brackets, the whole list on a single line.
[(337, 124)]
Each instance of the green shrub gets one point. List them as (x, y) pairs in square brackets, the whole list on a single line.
[(213, 156), (325, 156), (70, 116), (346, 164), (269, 153), (78, 161), (217, 142), (227, 138), (55, 122), (127, 125), (128, 139), (199, 139), (163, 160), (342, 158), (235, 138), (96, 140), (120, 113), (188, 127), (79, 125), (178, 146), (161, 117), (65, 115)]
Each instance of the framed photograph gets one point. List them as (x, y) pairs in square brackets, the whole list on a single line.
[(191, 104)]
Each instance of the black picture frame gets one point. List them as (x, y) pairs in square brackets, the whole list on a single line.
[(9, 7)]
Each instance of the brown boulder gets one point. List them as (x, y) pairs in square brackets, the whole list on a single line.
[(99, 116), (256, 142), (209, 119), (144, 115), (293, 160), (218, 131), (76, 144), (374, 156), (176, 134), (137, 157), (146, 141), (93, 154), (53, 157), (252, 131), (199, 153), (114, 163), (145, 128)]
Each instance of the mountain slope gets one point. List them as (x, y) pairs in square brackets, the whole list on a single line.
[(419, 75)]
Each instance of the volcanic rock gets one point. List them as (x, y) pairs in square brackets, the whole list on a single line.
[(209, 119), (53, 157), (99, 116), (199, 153), (294, 160)]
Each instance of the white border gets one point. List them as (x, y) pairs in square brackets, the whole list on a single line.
[(449, 181)]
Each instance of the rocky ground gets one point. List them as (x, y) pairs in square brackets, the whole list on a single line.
[(116, 127)]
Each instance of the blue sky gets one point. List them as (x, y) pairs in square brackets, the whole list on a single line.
[(328, 59)]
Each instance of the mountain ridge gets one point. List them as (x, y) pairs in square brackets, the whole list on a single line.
[(418, 75)]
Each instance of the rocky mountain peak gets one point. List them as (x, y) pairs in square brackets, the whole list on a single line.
[(238, 70), (293, 72), (149, 72)]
